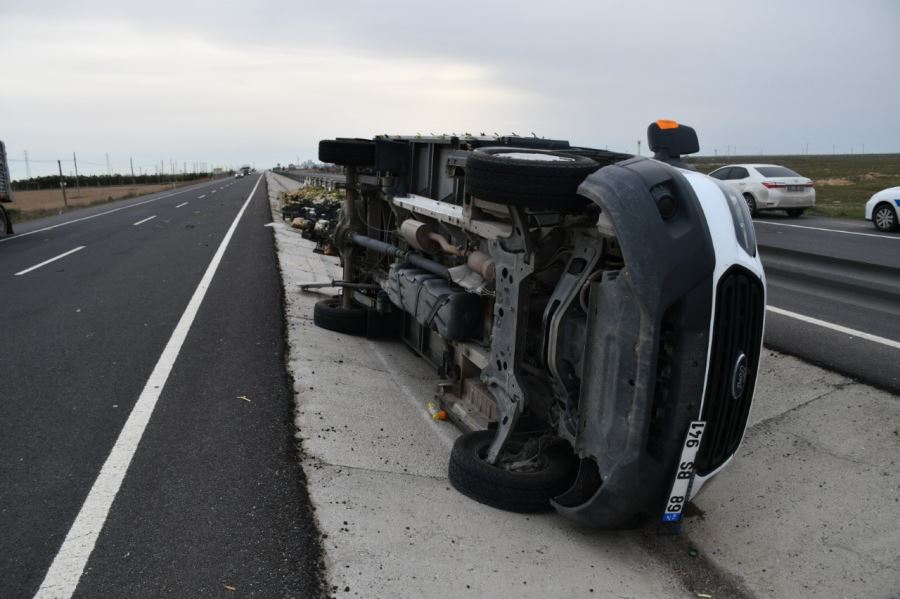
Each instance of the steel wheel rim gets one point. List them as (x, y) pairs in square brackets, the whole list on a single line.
[(884, 218)]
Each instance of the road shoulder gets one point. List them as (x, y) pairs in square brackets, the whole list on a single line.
[(376, 467), (808, 506)]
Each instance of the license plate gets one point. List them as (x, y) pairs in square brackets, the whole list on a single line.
[(796, 187), (684, 477)]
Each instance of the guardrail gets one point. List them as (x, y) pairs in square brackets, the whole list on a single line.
[(850, 281), (327, 180)]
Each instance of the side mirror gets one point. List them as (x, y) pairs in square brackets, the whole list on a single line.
[(668, 140)]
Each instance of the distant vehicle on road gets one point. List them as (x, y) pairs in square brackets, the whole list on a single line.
[(5, 193), (769, 187), (883, 209)]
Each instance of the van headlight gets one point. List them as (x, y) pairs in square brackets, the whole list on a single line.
[(740, 216)]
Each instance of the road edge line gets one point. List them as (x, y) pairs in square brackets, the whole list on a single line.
[(876, 235), (836, 327)]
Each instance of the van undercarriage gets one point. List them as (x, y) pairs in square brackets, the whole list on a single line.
[(573, 304)]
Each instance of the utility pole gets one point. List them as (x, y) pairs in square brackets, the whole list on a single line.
[(77, 184), (27, 166), (131, 162), (639, 147), (108, 170), (62, 183), (162, 169)]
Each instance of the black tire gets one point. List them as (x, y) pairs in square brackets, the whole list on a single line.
[(795, 212), (5, 223), (347, 152), (884, 217), (329, 315), (751, 204), (493, 175), (523, 492)]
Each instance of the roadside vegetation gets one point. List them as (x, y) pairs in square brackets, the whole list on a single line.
[(39, 203), (843, 182), (118, 180)]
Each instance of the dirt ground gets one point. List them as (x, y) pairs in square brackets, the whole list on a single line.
[(51, 199)]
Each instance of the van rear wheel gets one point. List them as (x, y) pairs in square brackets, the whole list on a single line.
[(328, 314), (347, 152)]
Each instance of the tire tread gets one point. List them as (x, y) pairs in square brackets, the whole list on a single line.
[(329, 315)]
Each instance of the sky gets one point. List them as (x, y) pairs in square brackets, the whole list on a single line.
[(227, 83)]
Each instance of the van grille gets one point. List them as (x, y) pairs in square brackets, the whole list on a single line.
[(737, 330)]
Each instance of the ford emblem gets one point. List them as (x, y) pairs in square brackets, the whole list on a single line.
[(739, 376)]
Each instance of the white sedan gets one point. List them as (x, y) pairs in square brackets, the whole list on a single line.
[(769, 187), (883, 209)]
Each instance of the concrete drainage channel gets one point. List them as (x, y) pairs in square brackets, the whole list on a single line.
[(809, 508)]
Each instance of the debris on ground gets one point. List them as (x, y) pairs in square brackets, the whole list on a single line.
[(314, 211)]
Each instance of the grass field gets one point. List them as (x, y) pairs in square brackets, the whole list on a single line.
[(843, 183), (29, 205)]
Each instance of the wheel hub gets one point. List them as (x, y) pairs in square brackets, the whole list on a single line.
[(519, 456), (884, 218)]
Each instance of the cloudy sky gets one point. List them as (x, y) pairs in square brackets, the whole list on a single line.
[(225, 82)]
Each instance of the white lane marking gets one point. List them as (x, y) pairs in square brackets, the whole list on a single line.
[(836, 327), (269, 225), (765, 222), (70, 561), (78, 220), (46, 262), (140, 222), (213, 191), (201, 197), (181, 204)]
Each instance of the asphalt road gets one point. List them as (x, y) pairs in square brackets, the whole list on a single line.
[(845, 246), (213, 499)]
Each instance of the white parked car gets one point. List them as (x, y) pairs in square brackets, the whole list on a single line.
[(883, 209), (769, 187)]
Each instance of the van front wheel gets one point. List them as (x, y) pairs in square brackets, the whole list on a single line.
[(531, 471)]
